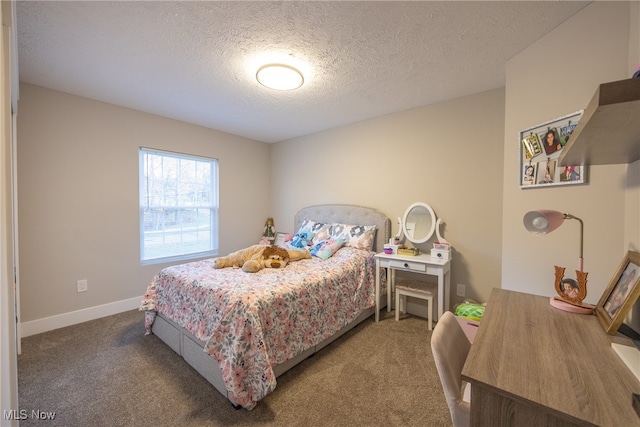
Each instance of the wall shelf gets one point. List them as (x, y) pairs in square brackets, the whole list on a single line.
[(609, 130)]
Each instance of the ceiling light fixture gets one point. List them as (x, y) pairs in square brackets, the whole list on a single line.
[(279, 77)]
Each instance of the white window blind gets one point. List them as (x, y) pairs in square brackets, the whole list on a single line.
[(178, 206)]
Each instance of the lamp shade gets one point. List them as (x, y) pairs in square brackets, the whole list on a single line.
[(543, 221)]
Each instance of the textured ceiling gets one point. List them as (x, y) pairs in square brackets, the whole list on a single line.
[(196, 61)]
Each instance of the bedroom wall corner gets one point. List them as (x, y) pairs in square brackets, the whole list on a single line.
[(447, 155), (555, 76), (78, 198)]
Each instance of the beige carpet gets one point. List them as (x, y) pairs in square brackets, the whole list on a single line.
[(107, 373)]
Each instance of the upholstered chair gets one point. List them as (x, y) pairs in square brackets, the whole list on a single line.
[(450, 347)]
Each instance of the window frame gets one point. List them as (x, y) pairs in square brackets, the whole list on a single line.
[(212, 205)]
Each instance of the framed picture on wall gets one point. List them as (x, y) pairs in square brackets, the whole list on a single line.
[(540, 148)]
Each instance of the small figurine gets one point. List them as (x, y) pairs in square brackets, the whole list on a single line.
[(269, 230)]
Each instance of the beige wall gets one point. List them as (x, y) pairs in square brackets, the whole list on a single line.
[(447, 155), (632, 185), (78, 177), (555, 76), (78, 196)]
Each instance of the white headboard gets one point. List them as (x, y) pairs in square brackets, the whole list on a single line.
[(348, 214)]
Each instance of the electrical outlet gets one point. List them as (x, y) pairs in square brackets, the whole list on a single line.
[(461, 290), (82, 285)]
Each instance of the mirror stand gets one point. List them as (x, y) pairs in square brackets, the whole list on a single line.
[(419, 223)]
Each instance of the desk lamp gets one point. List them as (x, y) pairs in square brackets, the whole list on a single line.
[(570, 292)]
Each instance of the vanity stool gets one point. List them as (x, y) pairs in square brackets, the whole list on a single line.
[(416, 289)]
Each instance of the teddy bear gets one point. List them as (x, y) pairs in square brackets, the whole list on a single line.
[(256, 257)]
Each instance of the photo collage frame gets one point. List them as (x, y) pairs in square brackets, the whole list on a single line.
[(540, 148)]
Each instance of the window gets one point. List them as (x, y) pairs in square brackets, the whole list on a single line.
[(178, 206)]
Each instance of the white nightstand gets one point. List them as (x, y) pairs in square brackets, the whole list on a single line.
[(422, 264)]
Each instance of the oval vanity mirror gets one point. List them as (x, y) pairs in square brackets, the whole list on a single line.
[(419, 222)]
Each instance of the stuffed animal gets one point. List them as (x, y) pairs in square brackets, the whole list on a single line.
[(256, 257), (276, 257)]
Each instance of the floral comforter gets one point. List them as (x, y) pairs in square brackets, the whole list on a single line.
[(251, 322)]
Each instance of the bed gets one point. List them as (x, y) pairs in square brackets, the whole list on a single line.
[(241, 331)]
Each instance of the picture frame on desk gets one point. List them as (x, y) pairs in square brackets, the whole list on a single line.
[(280, 239), (621, 293)]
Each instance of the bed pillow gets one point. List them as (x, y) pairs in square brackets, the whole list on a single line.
[(355, 236), (326, 248), (320, 230), (302, 240)]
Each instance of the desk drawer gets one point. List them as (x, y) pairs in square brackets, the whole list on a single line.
[(408, 265)]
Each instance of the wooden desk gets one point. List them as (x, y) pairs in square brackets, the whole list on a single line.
[(534, 365)]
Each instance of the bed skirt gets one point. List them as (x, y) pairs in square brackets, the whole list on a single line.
[(192, 349)]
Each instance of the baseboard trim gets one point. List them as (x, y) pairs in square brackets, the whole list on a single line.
[(46, 324)]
